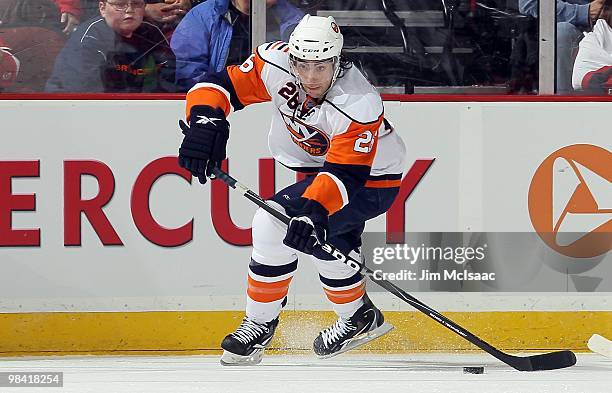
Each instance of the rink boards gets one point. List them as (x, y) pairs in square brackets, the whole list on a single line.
[(156, 263)]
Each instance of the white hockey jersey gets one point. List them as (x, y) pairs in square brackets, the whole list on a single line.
[(344, 138), (593, 64)]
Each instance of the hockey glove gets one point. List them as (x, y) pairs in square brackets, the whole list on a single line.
[(309, 226), (205, 140)]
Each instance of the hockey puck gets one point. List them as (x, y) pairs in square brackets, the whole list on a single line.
[(473, 370)]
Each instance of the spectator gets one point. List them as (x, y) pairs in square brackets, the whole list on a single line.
[(593, 66), (216, 33), (117, 52), (64, 14), (573, 18)]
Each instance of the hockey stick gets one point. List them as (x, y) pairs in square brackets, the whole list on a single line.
[(600, 345), (546, 361)]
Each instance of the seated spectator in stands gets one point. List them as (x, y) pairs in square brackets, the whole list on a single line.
[(9, 67), (52, 14), (593, 65), (116, 52), (216, 33), (573, 18)]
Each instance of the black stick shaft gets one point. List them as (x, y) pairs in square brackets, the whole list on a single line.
[(546, 361)]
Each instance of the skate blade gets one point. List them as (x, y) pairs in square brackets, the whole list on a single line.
[(362, 339), (231, 359)]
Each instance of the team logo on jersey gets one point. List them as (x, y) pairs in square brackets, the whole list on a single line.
[(309, 138)]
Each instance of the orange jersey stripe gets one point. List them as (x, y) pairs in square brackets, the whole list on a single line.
[(325, 191), (247, 81), (266, 292), (346, 296), (207, 96), (356, 146), (383, 183)]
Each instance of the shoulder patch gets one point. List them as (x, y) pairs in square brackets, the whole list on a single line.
[(275, 53)]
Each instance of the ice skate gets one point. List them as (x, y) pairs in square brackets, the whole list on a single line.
[(245, 346), (367, 324)]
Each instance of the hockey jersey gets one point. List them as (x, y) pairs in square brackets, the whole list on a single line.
[(593, 65), (344, 138)]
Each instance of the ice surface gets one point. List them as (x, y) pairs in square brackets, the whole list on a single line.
[(348, 373)]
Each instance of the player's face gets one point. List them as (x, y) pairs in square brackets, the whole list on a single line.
[(315, 76), (123, 16)]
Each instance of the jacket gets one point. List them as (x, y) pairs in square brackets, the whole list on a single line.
[(201, 41), (97, 59)]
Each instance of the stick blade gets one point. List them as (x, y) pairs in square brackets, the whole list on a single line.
[(552, 361), (600, 345)]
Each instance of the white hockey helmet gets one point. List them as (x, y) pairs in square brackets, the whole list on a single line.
[(316, 38)]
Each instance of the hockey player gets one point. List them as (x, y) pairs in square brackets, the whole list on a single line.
[(329, 123)]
